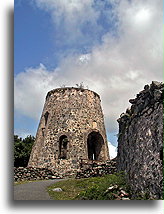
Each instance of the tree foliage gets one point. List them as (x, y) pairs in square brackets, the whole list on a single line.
[(22, 150)]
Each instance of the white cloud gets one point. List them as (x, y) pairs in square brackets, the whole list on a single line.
[(30, 89), (70, 11), (117, 69), (84, 58), (112, 150), (142, 16), (70, 17)]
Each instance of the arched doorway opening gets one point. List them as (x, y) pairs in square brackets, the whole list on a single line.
[(94, 143), (63, 142)]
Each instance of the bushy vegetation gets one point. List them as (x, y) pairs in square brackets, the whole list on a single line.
[(89, 188), (22, 150)]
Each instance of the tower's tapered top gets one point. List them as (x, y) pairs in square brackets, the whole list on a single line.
[(69, 88)]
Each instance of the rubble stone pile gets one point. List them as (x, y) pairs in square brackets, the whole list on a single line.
[(87, 168), (95, 168), (29, 173), (117, 192)]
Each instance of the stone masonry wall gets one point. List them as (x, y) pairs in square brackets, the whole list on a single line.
[(71, 114), (95, 168), (140, 142), (86, 169)]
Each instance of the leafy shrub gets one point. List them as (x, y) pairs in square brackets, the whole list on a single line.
[(22, 150)]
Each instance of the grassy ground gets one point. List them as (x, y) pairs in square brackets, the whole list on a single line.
[(88, 188), (20, 182), (24, 182)]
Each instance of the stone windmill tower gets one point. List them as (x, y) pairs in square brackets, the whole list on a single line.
[(71, 129)]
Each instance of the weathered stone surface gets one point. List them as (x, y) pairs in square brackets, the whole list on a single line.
[(30, 173), (140, 142), (112, 188), (119, 194), (57, 190), (125, 198), (71, 129), (96, 168)]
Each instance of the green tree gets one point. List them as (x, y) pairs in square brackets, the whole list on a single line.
[(22, 150)]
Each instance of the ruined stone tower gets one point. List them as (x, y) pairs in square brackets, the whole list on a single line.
[(140, 142), (71, 129)]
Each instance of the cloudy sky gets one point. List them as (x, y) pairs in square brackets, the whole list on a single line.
[(113, 46)]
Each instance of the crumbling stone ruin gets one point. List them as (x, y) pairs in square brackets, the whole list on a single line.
[(140, 142), (87, 168), (95, 168), (71, 129), (32, 173)]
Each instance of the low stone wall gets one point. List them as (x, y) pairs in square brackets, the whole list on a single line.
[(29, 173), (33, 173), (96, 168), (140, 142), (87, 168)]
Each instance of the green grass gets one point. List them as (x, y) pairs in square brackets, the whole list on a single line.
[(87, 188), (24, 182), (20, 182)]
